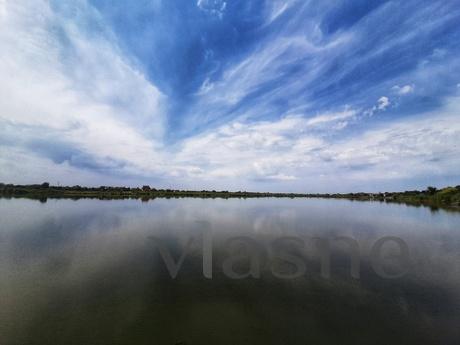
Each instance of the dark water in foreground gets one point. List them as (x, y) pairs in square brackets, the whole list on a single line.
[(89, 272)]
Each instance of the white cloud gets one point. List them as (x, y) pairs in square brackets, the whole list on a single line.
[(266, 64), (383, 103), (291, 150), (338, 118), (248, 150), (213, 7), (206, 87), (2, 8), (79, 90), (403, 90), (276, 8), (406, 148), (22, 166)]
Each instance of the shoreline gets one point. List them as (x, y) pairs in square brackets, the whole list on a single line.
[(446, 198)]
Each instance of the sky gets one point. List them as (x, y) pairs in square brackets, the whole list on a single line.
[(275, 95)]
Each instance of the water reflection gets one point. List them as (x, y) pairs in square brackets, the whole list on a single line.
[(88, 272)]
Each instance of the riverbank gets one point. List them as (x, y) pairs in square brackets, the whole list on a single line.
[(448, 197), (103, 192)]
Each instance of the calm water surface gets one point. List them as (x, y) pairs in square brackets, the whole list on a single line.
[(89, 272)]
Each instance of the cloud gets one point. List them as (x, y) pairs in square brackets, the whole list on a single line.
[(383, 103), (277, 9), (62, 84), (2, 8), (403, 90), (290, 149), (427, 145), (263, 150), (213, 7), (294, 152), (319, 56), (249, 86), (338, 119)]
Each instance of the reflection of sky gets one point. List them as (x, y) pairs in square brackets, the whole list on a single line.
[(63, 259), (32, 229)]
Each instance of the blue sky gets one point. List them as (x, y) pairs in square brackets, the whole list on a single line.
[(275, 95)]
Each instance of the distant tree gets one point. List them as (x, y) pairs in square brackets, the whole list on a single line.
[(431, 190), (45, 185), (146, 188)]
